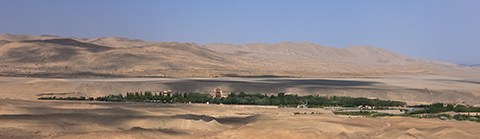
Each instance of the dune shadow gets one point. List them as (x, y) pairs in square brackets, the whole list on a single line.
[(461, 81), (166, 131), (467, 81), (195, 117), (89, 47), (265, 85), (2, 42), (322, 82), (36, 54), (222, 120), (256, 76), (77, 74)]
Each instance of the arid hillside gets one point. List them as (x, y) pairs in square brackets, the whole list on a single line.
[(359, 55), (114, 41), (54, 56), (71, 58), (24, 37), (321, 58), (104, 41)]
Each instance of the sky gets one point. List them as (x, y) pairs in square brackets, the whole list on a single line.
[(445, 30)]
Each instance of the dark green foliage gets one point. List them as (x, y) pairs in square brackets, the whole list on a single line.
[(364, 113), (315, 106), (382, 114), (281, 100), (110, 98), (67, 98), (461, 108), (447, 116), (388, 114), (417, 112), (439, 107), (462, 117), (349, 105), (199, 97), (313, 101)]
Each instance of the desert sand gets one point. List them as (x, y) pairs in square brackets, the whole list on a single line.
[(24, 117), (411, 89), (46, 66), (83, 119), (54, 56)]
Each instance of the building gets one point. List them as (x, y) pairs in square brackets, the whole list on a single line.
[(166, 93), (302, 106), (218, 92)]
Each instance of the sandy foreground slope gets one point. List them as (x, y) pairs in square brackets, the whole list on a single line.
[(82, 119), (21, 116)]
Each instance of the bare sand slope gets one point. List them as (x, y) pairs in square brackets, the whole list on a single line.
[(71, 58), (53, 56), (284, 50), (104, 41), (354, 59), (24, 37), (114, 42), (413, 90), (82, 119)]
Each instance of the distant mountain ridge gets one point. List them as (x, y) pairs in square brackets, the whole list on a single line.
[(114, 41), (469, 64), (23, 37), (47, 55), (354, 54), (104, 41)]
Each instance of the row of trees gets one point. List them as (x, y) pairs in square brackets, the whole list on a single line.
[(257, 99), (281, 99), (67, 98), (440, 107), (312, 100), (459, 117)]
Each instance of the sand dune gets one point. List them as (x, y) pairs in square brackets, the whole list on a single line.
[(51, 56), (72, 62), (149, 120), (354, 54), (71, 58), (114, 42), (320, 58), (24, 37), (104, 41)]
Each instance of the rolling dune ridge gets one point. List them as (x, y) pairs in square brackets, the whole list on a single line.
[(47, 66), (53, 56)]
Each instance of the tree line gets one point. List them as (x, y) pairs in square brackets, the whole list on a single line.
[(440, 107), (281, 99), (430, 111)]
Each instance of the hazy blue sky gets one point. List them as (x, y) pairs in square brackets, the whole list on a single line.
[(434, 29)]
